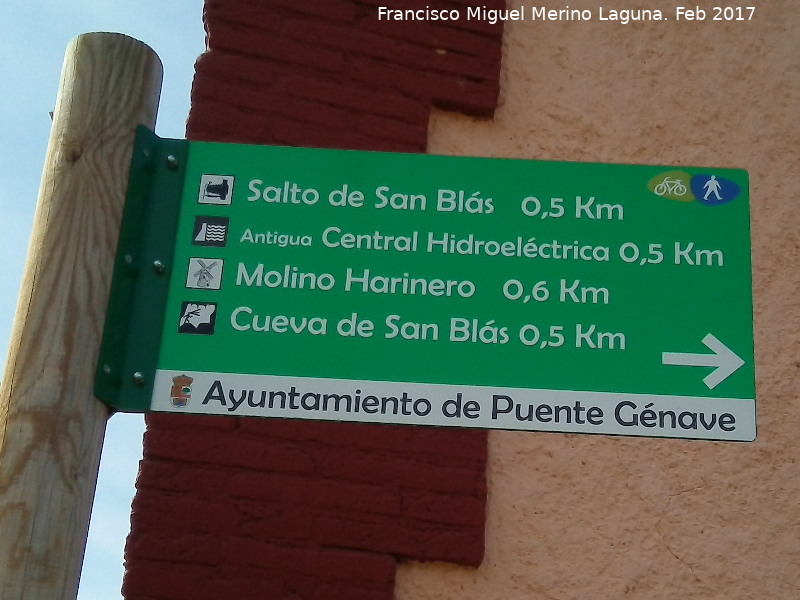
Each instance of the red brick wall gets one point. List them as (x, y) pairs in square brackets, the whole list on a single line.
[(251, 508)]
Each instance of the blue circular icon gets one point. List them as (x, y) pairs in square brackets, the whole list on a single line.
[(713, 191)]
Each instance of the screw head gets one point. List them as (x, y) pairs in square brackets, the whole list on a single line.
[(138, 378), (172, 162), (159, 267)]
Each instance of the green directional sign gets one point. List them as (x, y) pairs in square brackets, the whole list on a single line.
[(433, 290)]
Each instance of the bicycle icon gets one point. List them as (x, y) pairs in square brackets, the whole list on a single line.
[(670, 186)]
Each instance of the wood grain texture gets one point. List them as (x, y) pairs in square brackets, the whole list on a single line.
[(51, 426)]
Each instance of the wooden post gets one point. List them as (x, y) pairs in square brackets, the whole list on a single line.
[(51, 426)]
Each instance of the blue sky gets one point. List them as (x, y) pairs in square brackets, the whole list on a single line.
[(35, 36)]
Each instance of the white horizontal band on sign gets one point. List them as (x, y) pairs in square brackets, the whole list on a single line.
[(445, 405)]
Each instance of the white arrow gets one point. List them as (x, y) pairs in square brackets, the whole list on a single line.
[(723, 358)]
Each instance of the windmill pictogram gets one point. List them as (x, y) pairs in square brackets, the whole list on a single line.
[(204, 273)]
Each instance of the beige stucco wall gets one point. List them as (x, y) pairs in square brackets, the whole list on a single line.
[(593, 517)]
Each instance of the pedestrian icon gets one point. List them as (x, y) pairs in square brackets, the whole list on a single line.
[(198, 318), (712, 186), (216, 189), (712, 190), (204, 273), (210, 231)]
